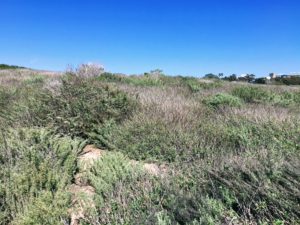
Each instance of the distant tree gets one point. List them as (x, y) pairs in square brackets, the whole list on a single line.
[(221, 75), (211, 76), (156, 72), (250, 78), (247, 78), (6, 67), (292, 80), (260, 80), (232, 77)]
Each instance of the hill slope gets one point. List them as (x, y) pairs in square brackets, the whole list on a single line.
[(217, 152)]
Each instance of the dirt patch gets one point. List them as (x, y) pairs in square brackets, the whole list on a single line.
[(88, 156), (154, 169), (83, 194), (82, 199)]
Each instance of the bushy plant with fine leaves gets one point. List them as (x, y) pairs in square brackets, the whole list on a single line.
[(37, 166), (78, 106)]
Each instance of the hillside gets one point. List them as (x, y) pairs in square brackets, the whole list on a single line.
[(148, 149), (7, 67)]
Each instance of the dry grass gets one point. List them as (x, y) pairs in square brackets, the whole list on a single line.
[(171, 105), (17, 76), (262, 113)]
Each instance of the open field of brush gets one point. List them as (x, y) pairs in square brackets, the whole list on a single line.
[(215, 152)]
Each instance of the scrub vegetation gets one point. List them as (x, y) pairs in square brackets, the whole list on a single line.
[(230, 151)]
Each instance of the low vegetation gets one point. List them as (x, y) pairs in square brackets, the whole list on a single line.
[(231, 151), (8, 67)]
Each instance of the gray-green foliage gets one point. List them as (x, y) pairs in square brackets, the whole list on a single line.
[(125, 194), (221, 99), (153, 140), (76, 108), (36, 167), (255, 94)]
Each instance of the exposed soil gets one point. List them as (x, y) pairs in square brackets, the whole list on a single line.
[(82, 193)]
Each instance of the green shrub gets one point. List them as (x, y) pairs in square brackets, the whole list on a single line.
[(288, 98), (238, 135), (143, 140), (293, 80), (258, 187), (36, 168), (259, 95), (79, 106), (148, 139), (113, 176), (6, 111), (110, 77), (37, 79), (221, 99), (146, 80), (262, 188), (252, 94)]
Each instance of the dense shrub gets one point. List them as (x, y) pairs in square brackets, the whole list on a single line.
[(143, 139), (159, 80), (220, 100), (293, 80), (146, 80), (78, 106), (261, 188), (195, 84), (261, 80), (252, 94), (288, 98), (113, 176), (87, 70), (35, 80), (110, 77), (6, 97), (250, 188), (238, 135), (36, 167)]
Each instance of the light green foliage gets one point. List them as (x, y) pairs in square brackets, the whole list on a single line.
[(37, 79), (153, 140), (252, 94), (36, 167), (124, 190), (159, 80), (196, 85), (107, 171), (77, 107), (220, 100), (144, 81), (163, 219)]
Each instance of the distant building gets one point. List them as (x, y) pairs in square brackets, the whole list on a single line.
[(295, 74), (272, 75), (286, 76), (242, 77)]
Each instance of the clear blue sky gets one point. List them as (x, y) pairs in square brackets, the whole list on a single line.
[(181, 37)]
